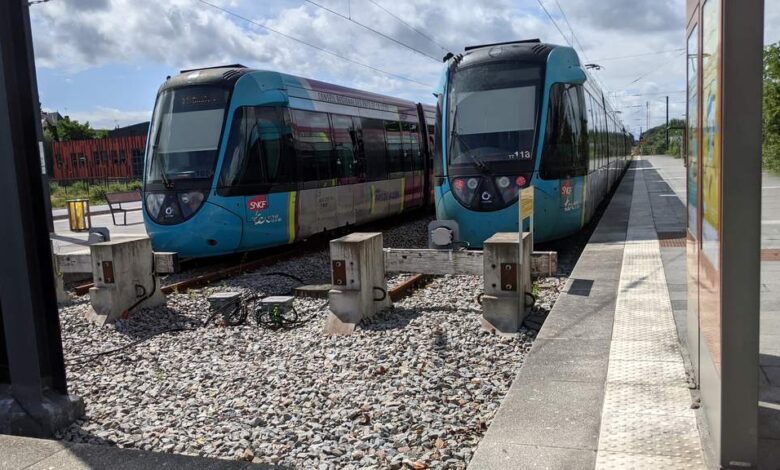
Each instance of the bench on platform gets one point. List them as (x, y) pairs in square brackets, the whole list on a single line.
[(116, 200)]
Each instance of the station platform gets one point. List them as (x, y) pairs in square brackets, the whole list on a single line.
[(64, 241), (100, 209), (606, 384), (42, 454)]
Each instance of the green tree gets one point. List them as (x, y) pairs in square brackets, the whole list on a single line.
[(70, 129), (771, 127), (655, 139)]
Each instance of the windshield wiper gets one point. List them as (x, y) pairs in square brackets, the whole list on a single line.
[(166, 181), (478, 164)]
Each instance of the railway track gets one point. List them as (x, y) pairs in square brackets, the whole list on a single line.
[(214, 270)]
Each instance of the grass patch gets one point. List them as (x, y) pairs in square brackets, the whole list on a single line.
[(83, 190)]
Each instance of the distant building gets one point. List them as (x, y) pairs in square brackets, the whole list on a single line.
[(142, 128), (50, 119), (119, 155)]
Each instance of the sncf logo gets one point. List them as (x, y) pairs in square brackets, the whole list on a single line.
[(566, 188), (258, 203)]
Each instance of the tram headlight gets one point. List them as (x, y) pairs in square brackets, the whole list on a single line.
[(507, 190), (154, 202), (465, 189), (190, 202)]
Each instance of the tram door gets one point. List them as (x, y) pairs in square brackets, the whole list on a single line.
[(269, 213)]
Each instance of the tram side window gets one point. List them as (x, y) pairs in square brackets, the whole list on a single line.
[(258, 152), (395, 152), (565, 144), (612, 143), (417, 157), (592, 156), (436, 150), (313, 145), (411, 145), (598, 113), (346, 146), (373, 131), (602, 138)]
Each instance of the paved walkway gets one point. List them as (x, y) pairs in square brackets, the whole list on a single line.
[(42, 454), (605, 384), (65, 241), (647, 420), (99, 209)]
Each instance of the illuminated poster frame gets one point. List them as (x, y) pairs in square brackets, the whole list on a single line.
[(724, 94)]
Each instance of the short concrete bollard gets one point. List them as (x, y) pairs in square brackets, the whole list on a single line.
[(507, 277), (123, 272), (359, 286)]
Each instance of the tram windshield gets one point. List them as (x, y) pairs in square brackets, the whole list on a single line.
[(185, 132), (492, 113)]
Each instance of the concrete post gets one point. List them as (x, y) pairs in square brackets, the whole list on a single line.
[(59, 282), (526, 250), (359, 286), (124, 279), (507, 277)]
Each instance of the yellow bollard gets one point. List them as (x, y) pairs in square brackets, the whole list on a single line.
[(78, 214)]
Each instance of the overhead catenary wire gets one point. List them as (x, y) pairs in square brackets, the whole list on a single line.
[(574, 37), (633, 56), (573, 34), (555, 23), (670, 92), (652, 71), (409, 26), (368, 28), (314, 46)]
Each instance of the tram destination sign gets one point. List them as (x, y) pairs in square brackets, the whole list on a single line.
[(352, 101)]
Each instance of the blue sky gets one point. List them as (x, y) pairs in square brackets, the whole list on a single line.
[(103, 60)]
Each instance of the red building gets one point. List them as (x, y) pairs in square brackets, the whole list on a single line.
[(118, 157)]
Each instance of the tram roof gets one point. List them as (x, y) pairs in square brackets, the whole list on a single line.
[(229, 74)]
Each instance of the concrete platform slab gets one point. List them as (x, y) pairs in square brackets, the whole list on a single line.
[(502, 455), (549, 414), (21, 452), (580, 360), (42, 454)]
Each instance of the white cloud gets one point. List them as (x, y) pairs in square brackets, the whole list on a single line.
[(101, 117), (73, 35)]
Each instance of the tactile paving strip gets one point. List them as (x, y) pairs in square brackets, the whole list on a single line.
[(663, 350), (674, 436), (624, 461), (647, 373), (647, 420), (647, 399)]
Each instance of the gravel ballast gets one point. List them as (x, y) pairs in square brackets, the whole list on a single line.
[(414, 387)]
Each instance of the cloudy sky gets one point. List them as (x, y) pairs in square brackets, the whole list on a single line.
[(103, 60)]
